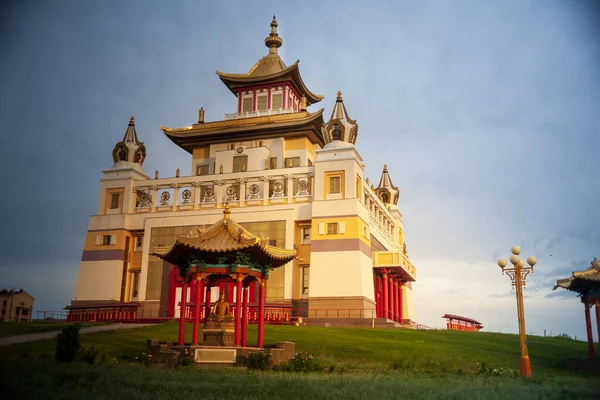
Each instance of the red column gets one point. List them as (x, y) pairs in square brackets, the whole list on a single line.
[(588, 327), (239, 102), (598, 321), (397, 296), (238, 312), (207, 303), (197, 300), (269, 103), (400, 303), (378, 296), (391, 298), (261, 313), (182, 313), (254, 101), (245, 317), (384, 309)]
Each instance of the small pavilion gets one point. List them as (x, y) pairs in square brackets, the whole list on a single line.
[(586, 284), (458, 323), (225, 252)]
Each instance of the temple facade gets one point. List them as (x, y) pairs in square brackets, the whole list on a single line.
[(288, 176)]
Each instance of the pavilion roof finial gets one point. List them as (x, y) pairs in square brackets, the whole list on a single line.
[(273, 42), (226, 210)]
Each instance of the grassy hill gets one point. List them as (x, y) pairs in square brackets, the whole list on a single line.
[(365, 364), (356, 349)]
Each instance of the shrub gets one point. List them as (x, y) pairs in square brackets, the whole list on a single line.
[(88, 355), (484, 369), (260, 360), (67, 343), (401, 364), (304, 362), (185, 358), (145, 359)]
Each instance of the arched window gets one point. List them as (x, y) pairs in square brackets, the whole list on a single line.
[(336, 134)]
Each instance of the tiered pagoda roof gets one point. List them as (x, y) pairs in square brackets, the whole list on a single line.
[(225, 239), (585, 283), (270, 69)]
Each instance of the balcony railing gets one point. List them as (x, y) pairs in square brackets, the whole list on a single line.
[(241, 189), (251, 114)]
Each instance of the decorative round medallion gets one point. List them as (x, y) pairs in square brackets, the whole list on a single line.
[(165, 196), (240, 149), (208, 192), (186, 194), (277, 187), (254, 189), (145, 198), (230, 191), (302, 185)]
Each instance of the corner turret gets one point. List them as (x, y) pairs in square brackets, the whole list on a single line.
[(129, 152), (386, 191), (340, 128)]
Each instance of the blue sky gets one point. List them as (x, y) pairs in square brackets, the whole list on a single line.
[(485, 112)]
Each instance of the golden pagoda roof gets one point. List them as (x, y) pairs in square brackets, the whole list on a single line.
[(270, 69), (241, 129), (225, 237), (582, 281)]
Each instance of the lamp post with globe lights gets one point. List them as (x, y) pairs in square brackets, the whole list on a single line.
[(518, 273)]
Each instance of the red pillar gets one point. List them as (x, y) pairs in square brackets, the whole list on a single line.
[(378, 296), (239, 102), (207, 303), (588, 327), (197, 300), (598, 321), (391, 298), (397, 305), (238, 312), (245, 317), (400, 303), (261, 313), (385, 294), (182, 313)]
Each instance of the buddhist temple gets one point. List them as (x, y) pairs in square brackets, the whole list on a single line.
[(458, 323), (586, 284), (291, 182)]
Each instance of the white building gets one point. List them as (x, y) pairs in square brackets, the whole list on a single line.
[(286, 174)]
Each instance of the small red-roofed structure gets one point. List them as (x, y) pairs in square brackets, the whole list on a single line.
[(458, 323)]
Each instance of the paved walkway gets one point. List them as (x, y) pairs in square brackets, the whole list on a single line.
[(30, 337)]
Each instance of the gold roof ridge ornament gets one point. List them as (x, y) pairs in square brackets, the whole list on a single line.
[(273, 41), (226, 210)]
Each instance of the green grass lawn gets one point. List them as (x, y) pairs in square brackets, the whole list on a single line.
[(25, 379), (354, 349), (361, 358), (23, 328)]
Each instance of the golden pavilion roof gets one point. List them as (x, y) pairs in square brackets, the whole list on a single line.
[(262, 127), (225, 238), (270, 69), (582, 281)]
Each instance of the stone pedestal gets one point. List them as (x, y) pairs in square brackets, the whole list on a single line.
[(218, 333)]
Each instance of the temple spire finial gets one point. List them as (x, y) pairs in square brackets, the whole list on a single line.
[(226, 210), (273, 42)]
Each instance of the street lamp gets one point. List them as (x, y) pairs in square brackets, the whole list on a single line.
[(518, 273)]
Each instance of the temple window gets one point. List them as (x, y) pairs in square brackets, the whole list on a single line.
[(292, 162), (305, 280), (139, 243), (114, 200), (247, 104), (332, 228), (105, 240), (261, 103), (273, 163), (305, 236), (202, 169), (240, 163), (277, 101), (335, 184)]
